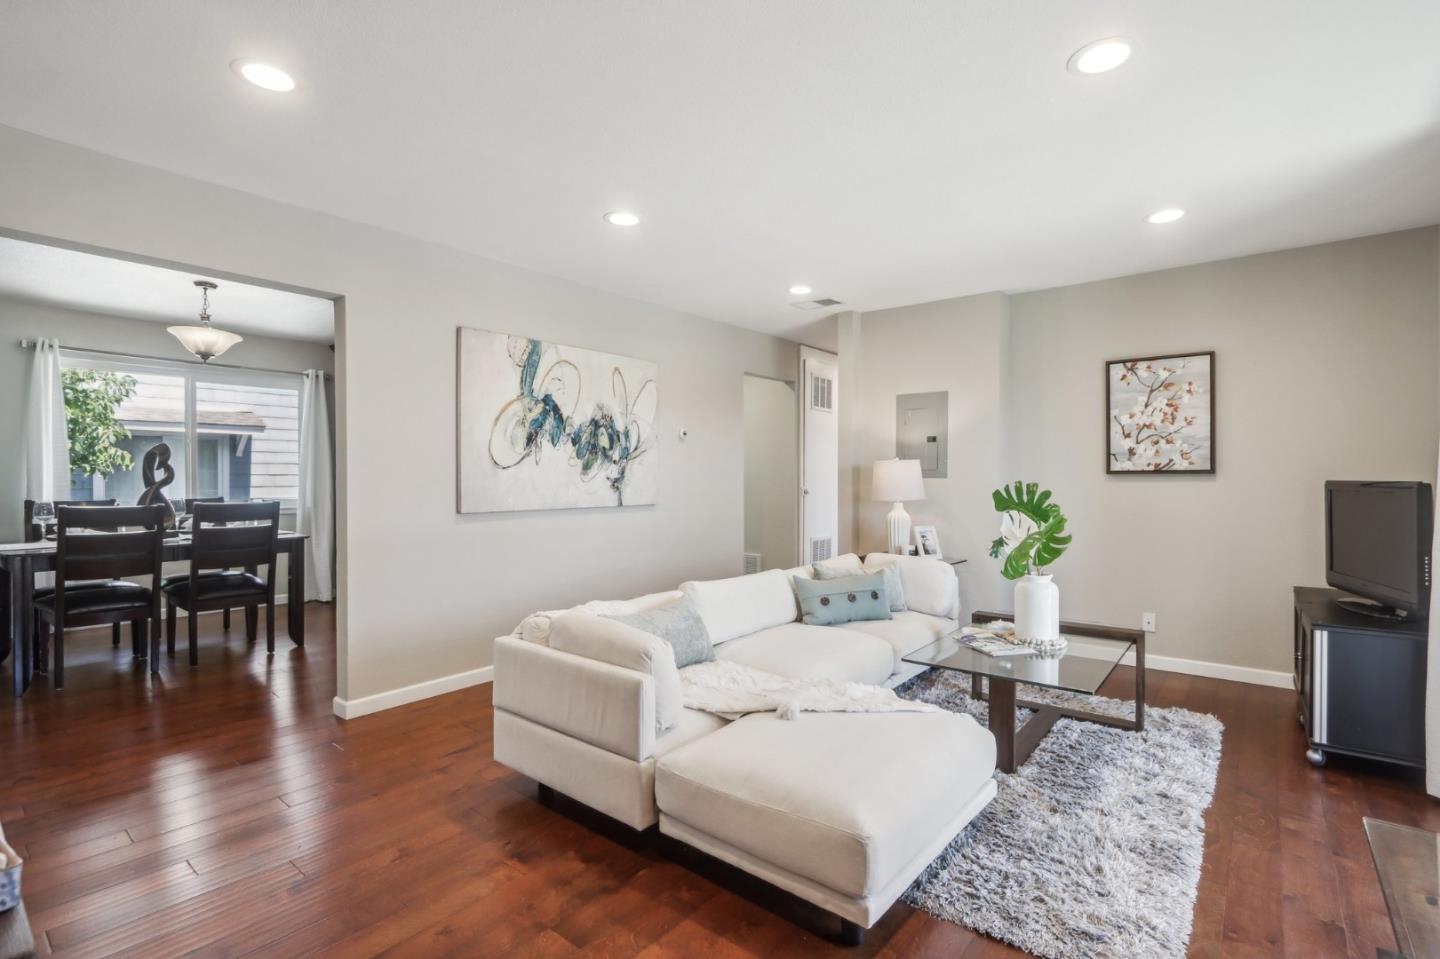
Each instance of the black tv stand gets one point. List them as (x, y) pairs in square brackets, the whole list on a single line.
[(1367, 607), (1360, 680)]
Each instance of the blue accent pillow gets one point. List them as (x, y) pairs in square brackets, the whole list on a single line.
[(894, 585), (680, 625), (848, 599)]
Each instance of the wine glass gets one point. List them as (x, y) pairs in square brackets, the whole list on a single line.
[(44, 516)]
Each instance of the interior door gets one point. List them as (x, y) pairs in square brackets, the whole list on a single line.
[(820, 455)]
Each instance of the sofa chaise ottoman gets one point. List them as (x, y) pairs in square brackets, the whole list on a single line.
[(864, 801), (841, 809)]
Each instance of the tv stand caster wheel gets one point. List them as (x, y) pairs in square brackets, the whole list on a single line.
[(1316, 756)]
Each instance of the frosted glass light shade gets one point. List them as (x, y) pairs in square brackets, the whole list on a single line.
[(895, 481), (205, 342)]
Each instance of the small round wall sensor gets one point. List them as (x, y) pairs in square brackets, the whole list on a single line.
[(683, 433)]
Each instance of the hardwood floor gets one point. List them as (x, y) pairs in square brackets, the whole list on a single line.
[(224, 812)]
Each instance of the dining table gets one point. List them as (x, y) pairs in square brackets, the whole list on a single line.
[(20, 562)]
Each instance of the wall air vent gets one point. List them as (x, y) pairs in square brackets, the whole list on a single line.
[(753, 563), (822, 393), (821, 548), (819, 304)]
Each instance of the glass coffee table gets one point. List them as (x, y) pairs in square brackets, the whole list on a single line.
[(1408, 864), (1090, 657)]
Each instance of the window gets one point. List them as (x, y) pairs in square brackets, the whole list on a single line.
[(232, 433)]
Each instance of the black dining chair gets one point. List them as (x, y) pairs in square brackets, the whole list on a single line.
[(103, 543), (227, 542), (178, 577), (33, 534)]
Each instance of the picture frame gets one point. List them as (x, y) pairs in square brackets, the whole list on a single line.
[(927, 541), (1160, 414), (542, 425)]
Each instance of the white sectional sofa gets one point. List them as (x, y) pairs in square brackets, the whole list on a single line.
[(842, 809)]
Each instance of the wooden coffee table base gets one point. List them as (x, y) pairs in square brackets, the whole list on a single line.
[(1013, 745)]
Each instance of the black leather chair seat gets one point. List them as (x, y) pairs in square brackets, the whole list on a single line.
[(219, 586), (105, 598), (72, 587)]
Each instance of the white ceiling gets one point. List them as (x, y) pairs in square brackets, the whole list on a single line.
[(102, 284), (880, 152)]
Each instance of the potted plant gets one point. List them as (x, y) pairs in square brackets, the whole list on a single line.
[(1032, 536)]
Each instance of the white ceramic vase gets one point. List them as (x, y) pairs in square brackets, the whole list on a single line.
[(1037, 608)]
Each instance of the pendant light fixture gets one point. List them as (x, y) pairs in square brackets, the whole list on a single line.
[(204, 340)]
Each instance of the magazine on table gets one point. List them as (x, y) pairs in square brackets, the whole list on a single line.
[(993, 639), (993, 646)]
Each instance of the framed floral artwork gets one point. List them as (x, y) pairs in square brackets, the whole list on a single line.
[(1160, 414)]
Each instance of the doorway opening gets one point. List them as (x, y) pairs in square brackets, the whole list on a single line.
[(772, 474), (94, 358)]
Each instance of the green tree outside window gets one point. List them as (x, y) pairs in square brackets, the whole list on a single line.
[(92, 423)]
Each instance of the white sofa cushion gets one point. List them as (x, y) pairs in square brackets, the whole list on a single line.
[(845, 800), (905, 631), (804, 572), (930, 584), (610, 641), (797, 651), (743, 605), (692, 725), (847, 564)]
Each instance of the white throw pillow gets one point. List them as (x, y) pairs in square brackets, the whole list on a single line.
[(596, 637), (929, 583), (837, 566), (742, 605), (804, 572)]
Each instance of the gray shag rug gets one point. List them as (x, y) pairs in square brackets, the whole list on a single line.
[(1093, 847)]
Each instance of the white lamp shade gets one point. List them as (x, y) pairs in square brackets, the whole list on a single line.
[(895, 481), (205, 342)]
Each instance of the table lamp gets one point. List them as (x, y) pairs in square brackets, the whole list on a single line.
[(894, 481)]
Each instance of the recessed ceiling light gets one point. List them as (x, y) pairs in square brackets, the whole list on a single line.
[(621, 218), (1102, 56), (1168, 215), (800, 290), (264, 75)]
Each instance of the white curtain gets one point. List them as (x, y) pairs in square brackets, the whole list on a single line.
[(47, 449), (315, 514)]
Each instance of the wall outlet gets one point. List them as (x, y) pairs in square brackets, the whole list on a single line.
[(1147, 622)]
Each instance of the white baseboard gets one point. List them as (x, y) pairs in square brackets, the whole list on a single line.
[(1196, 667), (364, 705)]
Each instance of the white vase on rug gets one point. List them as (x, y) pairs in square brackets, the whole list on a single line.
[(1037, 608)]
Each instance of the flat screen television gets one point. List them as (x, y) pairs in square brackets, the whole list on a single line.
[(1377, 546)]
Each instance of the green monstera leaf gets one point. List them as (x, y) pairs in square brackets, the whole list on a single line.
[(1034, 544)]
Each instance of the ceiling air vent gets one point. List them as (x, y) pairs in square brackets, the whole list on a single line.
[(819, 304)]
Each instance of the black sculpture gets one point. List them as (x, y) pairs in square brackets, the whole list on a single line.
[(158, 456)]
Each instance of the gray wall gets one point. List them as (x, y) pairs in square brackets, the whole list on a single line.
[(422, 589), (1326, 369), (957, 346)]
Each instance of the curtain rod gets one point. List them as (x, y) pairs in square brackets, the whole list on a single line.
[(26, 344)]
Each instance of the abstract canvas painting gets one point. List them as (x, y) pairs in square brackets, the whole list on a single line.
[(1160, 414), (546, 426)]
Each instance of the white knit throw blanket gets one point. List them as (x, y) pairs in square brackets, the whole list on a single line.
[(732, 690)]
